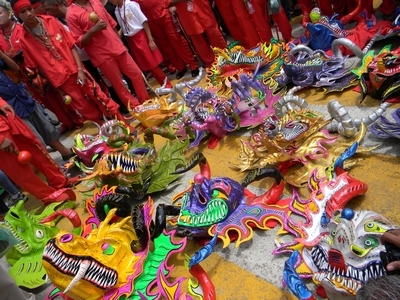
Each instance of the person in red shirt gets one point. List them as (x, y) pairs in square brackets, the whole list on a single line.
[(174, 48), (94, 30), (134, 27), (46, 94), (232, 22), (197, 18), (59, 62), (16, 136)]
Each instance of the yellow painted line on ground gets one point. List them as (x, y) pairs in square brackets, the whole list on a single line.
[(230, 281)]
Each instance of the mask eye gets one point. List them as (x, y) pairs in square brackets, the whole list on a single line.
[(371, 243), (107, 249), (39, 234)]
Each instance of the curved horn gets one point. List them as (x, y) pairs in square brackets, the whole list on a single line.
[(285, 102), (197, 159), (346, 19), (138, 221), (344, 123), (301, 48), (348, 44), (373, 117), (258, 174), (98, 127), (306, 14), (179, 88)]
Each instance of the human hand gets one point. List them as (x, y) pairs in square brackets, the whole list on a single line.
[(99, 26), (81, 78), (392, 237), (7, 108), (7, 145), (172, 10), (152, 45)]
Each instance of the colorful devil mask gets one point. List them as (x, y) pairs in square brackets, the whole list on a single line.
[(136, 166), (113, 261), (381, 77), (215, 206), (31, 236), (348, 256)]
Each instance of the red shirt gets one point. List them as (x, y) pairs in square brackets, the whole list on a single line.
[(14, 125), (13, 46), (104, 44), (36, 55), (196, 21), (152, 9)]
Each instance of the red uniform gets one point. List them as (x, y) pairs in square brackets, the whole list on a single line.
[(198, 21), (61, 70), (231, 20), (51, 98), (261, 19), (107, 51), (246, 22), (171, 43), (22, 174)]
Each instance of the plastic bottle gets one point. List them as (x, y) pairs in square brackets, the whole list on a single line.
[(175, 21), (190, 5), (250, 7)]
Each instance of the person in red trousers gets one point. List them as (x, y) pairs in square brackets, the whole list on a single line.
[(174, 48), (135, 28), (94, 30), (261, 19), (45, 93), (231, 19), (197, 18), (16, 136), (59, 62)]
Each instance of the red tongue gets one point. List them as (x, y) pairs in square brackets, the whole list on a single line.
[(336, 260)]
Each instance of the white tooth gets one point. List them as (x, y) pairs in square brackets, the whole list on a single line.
[(119, 161), (348, 273), (334, 270), (79, 275)]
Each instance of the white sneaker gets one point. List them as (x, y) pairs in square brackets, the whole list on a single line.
[(13, 200)]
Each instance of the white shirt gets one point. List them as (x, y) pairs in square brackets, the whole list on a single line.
[(130, 18)]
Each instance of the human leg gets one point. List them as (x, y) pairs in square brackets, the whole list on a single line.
[(231, 20), (178, 42), (283, 24), (9, 289), (7, 184), (160, 76), (129, 68), (215, 37), (246, 22), (203, 48), (86, 108)]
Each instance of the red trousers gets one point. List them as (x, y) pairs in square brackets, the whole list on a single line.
[(172, 44), (90, 102), (231, 20), (261, 19), (202, 47), (246, 22), (23, 174), (124, 63)]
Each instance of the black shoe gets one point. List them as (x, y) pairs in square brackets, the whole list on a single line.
[(54, 122), (180, 74), (195, 72)]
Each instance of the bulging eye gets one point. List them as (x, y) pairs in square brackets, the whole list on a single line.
[(107, 249), (371, 243), (39, 234), (66, 238)]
